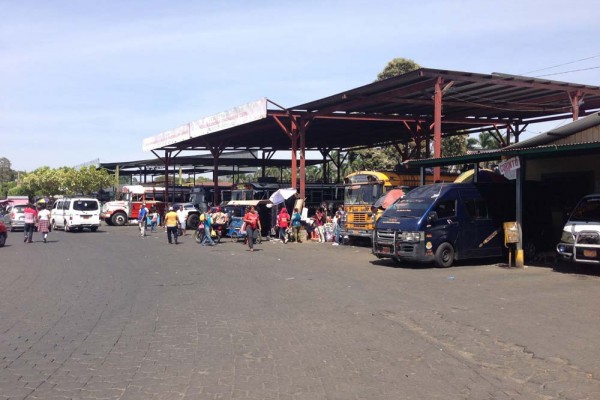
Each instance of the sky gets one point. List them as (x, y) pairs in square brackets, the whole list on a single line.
[(86, 80)]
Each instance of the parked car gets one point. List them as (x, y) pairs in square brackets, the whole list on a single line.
[(580, 241), (76, 214), (15, 217), (3, 234)]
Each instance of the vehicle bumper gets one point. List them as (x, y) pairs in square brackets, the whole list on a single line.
[(356, 233), (17, 225), (106, 215), (387, 245), (580, 253)]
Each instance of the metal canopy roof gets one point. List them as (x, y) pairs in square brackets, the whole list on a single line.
[(234, 162), (389, 111)]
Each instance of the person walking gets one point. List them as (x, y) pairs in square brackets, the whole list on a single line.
[(171, 224), (43, 221), (181, 216), (296, 224), (153, 219), (283, 221), (320, 220), (252, 224), (207, 239), (142, 219), (337, 225), (30, 218), (220, 220)]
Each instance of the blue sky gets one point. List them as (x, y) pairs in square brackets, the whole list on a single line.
[(81, 80)]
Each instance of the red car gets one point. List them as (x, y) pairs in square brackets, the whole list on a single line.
[(3, 234)]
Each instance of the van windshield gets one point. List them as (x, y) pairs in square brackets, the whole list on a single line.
[(85, 205), (587, 210), (413, 207)]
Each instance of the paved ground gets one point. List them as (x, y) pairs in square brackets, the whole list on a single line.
[(110, 315)]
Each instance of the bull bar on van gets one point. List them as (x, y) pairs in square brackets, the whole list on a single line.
[(585, 247), (409, 246)]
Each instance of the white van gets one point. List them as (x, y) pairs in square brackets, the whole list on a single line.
[(580, 241), (75, 214)]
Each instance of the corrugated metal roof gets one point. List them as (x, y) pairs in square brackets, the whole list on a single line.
[(491, 155), (559, 133)]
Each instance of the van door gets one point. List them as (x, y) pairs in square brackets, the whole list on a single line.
[(477, 227), (444, 227), (57, 213)]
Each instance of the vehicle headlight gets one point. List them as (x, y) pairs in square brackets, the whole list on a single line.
[(567, 237), (344, 218), (411, 236)]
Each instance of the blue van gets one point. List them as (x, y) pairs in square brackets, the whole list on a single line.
[(444, 222)]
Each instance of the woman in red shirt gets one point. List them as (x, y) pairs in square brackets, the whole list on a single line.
[(283, 221), (252, 226)]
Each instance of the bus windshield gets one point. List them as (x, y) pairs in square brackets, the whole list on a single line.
[(362, 194)]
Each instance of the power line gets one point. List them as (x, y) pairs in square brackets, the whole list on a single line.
[(560, 65), (566, 72)]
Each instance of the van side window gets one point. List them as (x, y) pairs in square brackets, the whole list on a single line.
[(446, 209), (476, 208), (67, 204)]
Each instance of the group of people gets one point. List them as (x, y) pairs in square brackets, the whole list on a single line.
[(213, 224), (36, 216), (316, 224)]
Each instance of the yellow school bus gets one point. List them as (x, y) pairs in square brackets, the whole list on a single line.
[(363, 188)]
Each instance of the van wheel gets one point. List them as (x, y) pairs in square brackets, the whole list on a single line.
[(94, 228), (2, 239), (444, 255), (66, 227), (53, 225), (118, 219)]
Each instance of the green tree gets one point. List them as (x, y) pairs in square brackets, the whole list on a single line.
[(46, 181), (454, 146), (6, 172), (397, 66), (487, 141), (382, 158)]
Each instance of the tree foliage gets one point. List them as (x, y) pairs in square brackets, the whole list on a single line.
[(46, 181), (397, 66)]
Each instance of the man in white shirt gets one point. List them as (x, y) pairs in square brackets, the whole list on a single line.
[(181, 217)]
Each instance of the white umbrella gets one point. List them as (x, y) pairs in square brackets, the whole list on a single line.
[(282, 195)]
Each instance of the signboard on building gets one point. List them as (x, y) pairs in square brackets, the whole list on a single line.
[(509, 168), (166, 138), (228, 119), (224, 120)]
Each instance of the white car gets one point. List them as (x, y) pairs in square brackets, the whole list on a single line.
[(76, 213)]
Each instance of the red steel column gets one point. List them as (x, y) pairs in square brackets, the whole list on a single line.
[(294, 133), (575, 104), (302, 159), (437, 126)]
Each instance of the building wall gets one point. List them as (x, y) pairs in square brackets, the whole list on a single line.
[(590, 163)]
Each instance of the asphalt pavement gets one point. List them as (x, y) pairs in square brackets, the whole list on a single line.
[(111, 315)]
